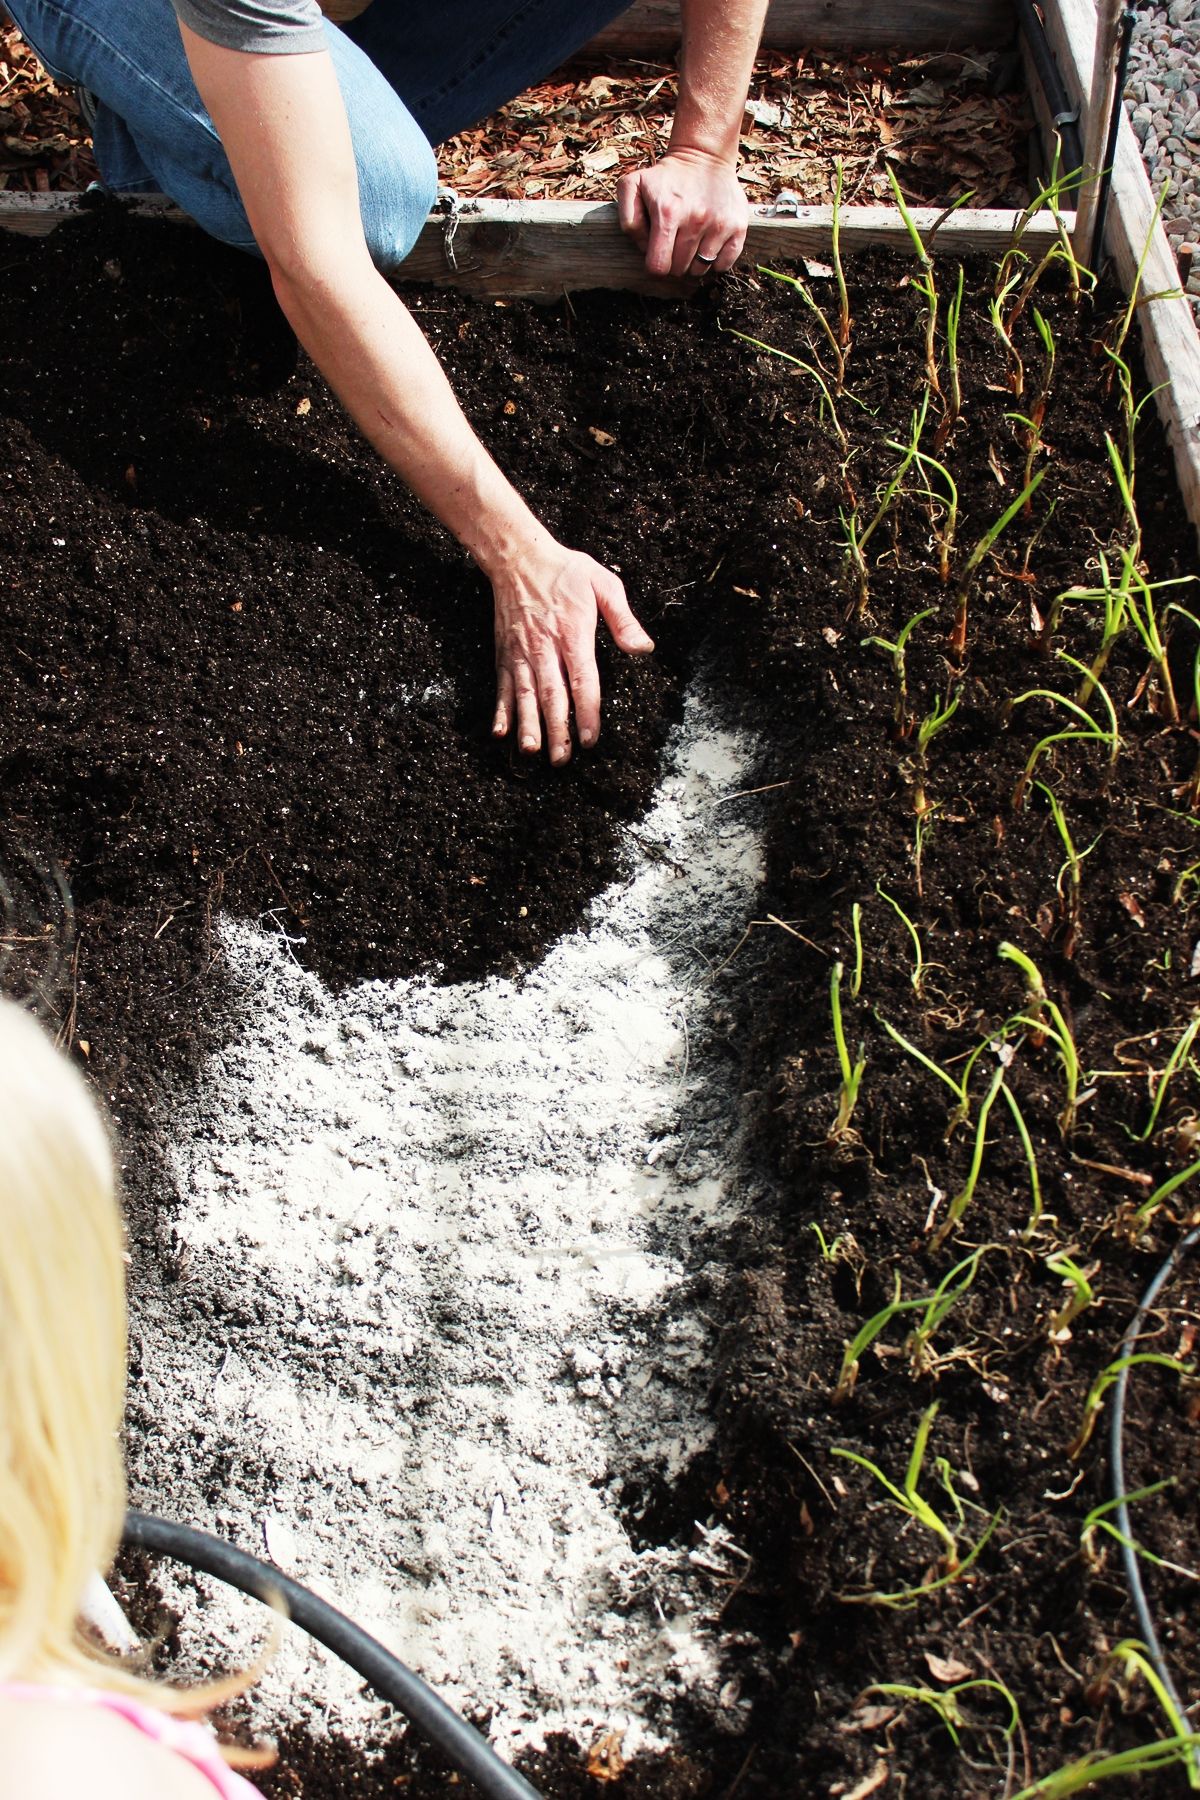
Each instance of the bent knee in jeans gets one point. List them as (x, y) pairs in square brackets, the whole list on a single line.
[(153, 130), (397, 186)]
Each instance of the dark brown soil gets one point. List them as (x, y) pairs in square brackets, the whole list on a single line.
[(246, 673), (296, 663)]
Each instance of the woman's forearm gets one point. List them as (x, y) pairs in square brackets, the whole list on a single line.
[(720, 38), (375, 357), (285, 130)]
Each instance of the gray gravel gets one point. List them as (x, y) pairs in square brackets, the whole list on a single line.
[(1163, 101)]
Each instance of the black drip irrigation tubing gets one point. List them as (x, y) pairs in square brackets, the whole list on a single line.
[(1128, 21), (1116, 1463), (1064, 117), (470, 1753)]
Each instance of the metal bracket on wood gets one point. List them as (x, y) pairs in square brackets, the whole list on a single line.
[(448, 200), (1064, 117)]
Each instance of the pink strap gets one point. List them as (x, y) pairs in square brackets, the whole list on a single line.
[(194, 1742)]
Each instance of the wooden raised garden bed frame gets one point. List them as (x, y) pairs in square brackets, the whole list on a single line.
[(538, 249)]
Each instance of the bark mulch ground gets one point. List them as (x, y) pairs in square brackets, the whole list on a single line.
[(246, 672), (945, 123)]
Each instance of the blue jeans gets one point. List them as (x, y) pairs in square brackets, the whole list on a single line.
[(410, 76)]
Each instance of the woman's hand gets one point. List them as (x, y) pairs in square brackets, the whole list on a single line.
[(547, 601), (686, 213)]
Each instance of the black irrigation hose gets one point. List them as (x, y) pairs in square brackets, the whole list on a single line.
[(470, 1753), (1116, 1463), (1128, 21), (1064, 116)]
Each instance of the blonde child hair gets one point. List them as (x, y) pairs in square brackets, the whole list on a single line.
[(62, 1376), (62, 1357)]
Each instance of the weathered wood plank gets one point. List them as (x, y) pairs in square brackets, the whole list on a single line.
[(538, 248), (1041, 139), (34, 215), (651, 27), (1170, 340), (1099, 111)]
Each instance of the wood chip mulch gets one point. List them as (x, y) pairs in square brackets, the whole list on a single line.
[(44, 143), (936, 119), (933, 117)]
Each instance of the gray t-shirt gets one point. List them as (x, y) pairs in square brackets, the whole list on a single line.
[(273, 27)]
